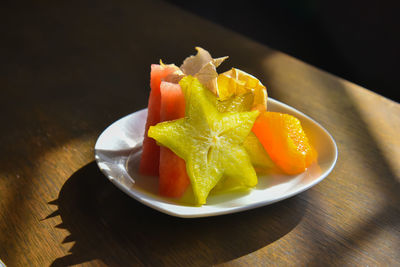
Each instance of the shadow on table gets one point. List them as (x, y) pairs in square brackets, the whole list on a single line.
[(108, 225)]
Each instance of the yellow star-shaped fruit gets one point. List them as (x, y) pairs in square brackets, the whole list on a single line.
[(210, 142)]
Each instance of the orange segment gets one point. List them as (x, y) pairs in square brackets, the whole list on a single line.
[(285, 141)]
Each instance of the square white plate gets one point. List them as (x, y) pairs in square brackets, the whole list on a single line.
[(118, 150)]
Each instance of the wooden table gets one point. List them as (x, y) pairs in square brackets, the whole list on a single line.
[(68, 71)]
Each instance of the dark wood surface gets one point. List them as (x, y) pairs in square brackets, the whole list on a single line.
[(68, 71)]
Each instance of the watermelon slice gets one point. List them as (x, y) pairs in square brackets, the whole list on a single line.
[(149, 163), (173, 180)]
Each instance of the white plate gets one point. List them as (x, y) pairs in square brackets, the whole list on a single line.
[(119, 148)]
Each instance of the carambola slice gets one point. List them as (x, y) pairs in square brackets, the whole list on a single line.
[(210, 142)]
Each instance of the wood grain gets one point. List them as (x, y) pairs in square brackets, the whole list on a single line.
[(69, 70)]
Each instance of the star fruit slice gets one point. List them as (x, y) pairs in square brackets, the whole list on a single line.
[(210, 142), (258, 156)]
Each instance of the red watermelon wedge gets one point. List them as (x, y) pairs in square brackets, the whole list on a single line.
[(173, 180), (149, 163)]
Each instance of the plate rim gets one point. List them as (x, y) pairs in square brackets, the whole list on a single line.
[(137, 195)]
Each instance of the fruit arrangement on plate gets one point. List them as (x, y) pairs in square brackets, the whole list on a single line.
[(210, 133)]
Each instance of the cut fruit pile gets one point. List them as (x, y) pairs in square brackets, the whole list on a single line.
[(209, 132)]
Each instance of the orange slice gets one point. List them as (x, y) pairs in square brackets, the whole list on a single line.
[(285, 141)]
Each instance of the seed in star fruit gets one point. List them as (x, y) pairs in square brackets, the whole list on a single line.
[(285, 141), (210, 142)]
